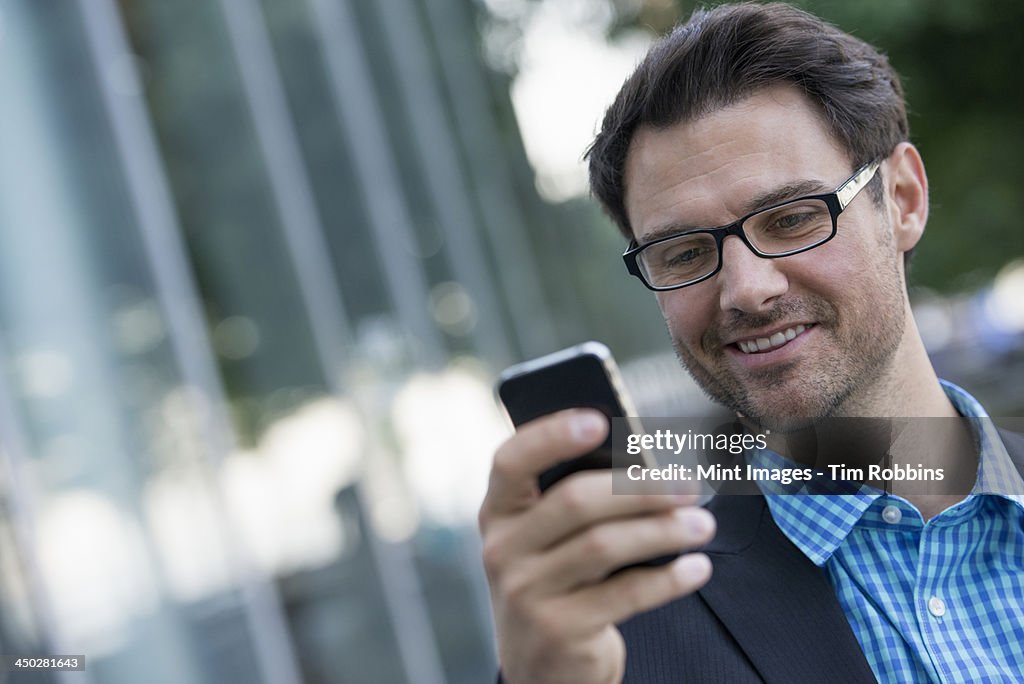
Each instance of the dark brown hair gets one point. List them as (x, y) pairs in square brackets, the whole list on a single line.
[(721, 56)]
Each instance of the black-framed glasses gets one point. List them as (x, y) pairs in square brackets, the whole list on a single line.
[(781, 230)]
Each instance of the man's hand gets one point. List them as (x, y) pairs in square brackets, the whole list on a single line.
[(548, 558)]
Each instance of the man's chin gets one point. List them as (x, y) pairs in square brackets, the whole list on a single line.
[(783, 412), (781, 424)]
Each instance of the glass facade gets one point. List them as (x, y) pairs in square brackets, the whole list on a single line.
[(253, 291)]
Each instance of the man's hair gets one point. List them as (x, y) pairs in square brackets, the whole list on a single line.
[(723, 55)]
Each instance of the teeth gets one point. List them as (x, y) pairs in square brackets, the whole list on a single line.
[(766, 343)]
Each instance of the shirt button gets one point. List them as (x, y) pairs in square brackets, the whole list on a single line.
[(892, 514), (936, 606)]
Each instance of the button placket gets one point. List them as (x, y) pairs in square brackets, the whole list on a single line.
[(936, 606), (892, 514)]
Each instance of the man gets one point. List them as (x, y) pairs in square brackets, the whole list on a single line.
[(791, 136)]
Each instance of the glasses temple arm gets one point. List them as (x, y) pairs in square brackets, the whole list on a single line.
[(848, 190)]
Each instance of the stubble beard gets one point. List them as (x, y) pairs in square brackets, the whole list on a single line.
[(798, 393)]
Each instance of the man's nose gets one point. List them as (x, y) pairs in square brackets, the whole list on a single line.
[(748, 282)]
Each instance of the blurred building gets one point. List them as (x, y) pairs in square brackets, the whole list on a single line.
[(243, 248)]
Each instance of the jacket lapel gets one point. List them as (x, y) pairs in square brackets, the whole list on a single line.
[(779, 606)]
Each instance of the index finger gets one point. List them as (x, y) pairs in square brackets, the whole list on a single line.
[(534, 448)]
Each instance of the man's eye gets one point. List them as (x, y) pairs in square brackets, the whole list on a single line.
[(792, 220), (797, 221), (684, 256)]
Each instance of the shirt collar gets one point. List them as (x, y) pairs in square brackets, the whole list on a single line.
[(997, 473), (819, 523)]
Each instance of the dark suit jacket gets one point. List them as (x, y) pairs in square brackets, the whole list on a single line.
[(768, 614)]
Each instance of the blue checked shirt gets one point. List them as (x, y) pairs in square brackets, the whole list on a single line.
[(941, 601)]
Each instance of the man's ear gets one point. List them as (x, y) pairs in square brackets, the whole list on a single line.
[(906, 189)]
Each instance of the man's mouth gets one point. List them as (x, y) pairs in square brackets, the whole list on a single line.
[(759, 345)]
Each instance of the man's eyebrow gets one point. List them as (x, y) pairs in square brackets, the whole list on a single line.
[(767, 199), (786, 192)]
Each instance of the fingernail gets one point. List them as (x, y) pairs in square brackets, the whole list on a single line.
[(702, 525), (692, 567), (696, 521), (586, 426)]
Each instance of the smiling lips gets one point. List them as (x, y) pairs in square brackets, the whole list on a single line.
[(763, 344)]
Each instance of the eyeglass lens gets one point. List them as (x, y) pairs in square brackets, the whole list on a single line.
[(788, 228)]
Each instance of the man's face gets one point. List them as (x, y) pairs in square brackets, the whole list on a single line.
[(833, 317)]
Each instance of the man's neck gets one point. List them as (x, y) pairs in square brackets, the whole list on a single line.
[(908, 404), (936, 437)]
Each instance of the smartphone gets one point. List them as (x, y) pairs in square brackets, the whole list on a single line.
[(583, 376)]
